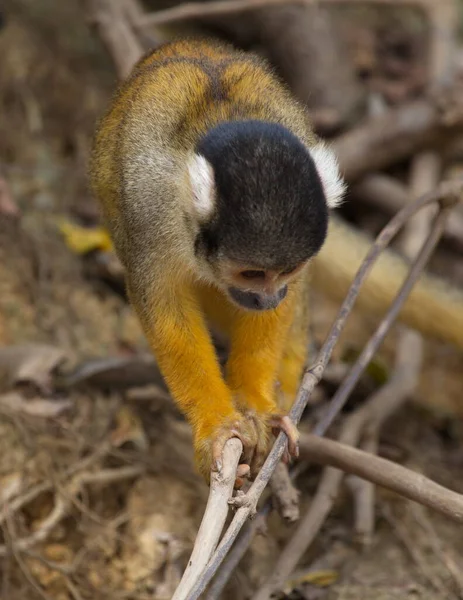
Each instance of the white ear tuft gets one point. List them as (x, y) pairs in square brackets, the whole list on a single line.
[(202, 183), (328, 171)]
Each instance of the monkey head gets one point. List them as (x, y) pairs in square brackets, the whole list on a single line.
[(260, 200)]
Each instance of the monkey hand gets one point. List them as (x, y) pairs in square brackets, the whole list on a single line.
[(268, 418), (253, 433), (279, 422)]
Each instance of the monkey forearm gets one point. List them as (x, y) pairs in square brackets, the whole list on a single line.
[(433, 308), (187, 359), (256, 353)]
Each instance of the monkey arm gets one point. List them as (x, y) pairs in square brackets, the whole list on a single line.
[(256, 350), (433, 308), (174, 326)]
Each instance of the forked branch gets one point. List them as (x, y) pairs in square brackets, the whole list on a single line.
[(447, 194)]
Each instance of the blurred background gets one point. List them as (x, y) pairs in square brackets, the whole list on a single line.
[(98, 495)]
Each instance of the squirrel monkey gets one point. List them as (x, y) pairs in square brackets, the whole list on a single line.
[(216, 192)]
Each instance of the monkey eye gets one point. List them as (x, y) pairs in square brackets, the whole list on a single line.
[(250, 274)]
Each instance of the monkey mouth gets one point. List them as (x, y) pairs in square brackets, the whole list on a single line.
[(255, 301)]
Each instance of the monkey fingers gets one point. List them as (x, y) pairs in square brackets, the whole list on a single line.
[(256, 455), (209, 451), (283, 423), (221, 438)]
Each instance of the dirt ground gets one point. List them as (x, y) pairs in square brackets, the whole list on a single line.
[(96, 479)]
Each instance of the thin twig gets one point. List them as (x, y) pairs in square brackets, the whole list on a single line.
[(389, 195), (363, 492), (414, 551), (376, 340), (341, 457), (239, 549), (330, 482), (62, 503), (214, 518), (384, 473), (285, 497)]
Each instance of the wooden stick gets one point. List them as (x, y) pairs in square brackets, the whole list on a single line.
[(385, 473), (214, 518)]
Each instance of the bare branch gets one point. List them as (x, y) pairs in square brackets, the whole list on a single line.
[(199, 10), (237, 552), (114, 29), (285, 496), (384, 473), (214, 518), (382, 141)]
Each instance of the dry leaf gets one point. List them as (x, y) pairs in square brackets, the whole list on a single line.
[(29, 363), (161, 528), (83, 240), (10, 486), (39, 407), (129, 428), (319, 578), (7, 204), (116, 372)]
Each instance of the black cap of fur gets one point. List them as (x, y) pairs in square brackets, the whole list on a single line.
[(270, 210)]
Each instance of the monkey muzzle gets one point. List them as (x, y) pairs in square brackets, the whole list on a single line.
[(257, 301)]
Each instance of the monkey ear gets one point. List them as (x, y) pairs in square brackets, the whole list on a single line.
[(328, 171), (202, 182)]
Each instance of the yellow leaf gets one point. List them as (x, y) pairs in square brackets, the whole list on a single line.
[(322, 578), (83, 240), (129, 428)]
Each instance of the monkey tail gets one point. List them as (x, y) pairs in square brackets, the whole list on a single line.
[(433, 308)]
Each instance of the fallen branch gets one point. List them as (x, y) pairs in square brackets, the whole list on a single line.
[(389, 195), (384, 473), (385, 140), (200, 10)]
